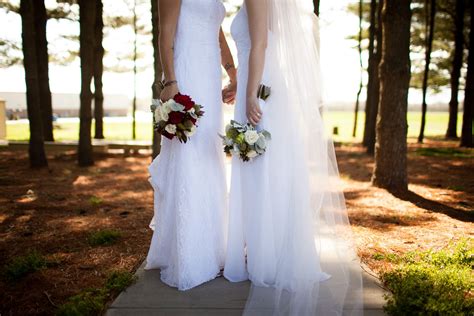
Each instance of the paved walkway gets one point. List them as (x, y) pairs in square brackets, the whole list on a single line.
[(149, 296)]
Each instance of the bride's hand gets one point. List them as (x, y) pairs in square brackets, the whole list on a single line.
[(169, 92), (254, 113), (229, 92)]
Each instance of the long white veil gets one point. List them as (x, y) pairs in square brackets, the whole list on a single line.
[(302, 163)]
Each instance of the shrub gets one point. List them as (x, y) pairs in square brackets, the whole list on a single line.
[(104, 237), (20, 266), (88, 302), (92, 301), (119, 281), (432, 283)]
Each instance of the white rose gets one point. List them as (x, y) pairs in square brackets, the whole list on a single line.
[(252, 154), (251, 137), (158, 116), (191, 132), (164, 113), (171, 128), (167, 107)]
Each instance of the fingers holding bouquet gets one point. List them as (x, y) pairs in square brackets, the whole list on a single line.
[(168, 90), (253, 111)]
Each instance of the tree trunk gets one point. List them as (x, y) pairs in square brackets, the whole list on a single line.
[(316, 6), (361, 85), (98, 72), (36, 145), (390, 169), (134, 107), (466, 133), (374, 93), (155, 17), (430, 24), (87, 13), (42, 56), (456, 70), (371, 69)]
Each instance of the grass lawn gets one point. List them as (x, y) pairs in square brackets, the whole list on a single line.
[(437, 123)]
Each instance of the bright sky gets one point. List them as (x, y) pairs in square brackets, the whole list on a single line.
[(339, 60)]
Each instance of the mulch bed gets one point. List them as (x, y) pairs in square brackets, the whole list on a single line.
[(55, 210)]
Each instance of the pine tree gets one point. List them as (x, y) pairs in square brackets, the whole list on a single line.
[(390, 169)]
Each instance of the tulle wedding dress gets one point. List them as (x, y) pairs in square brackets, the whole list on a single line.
[(189, 221), (288, 227)]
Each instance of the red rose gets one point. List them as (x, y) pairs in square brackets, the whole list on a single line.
[(185, 100), (175, 117), (167, 135), (193, 120)]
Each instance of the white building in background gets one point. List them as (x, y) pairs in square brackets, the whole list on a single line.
[(67, 105)]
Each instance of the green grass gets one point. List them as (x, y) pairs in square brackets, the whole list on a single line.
[(70, 131), (104, 237), (95, 200), (444, 152), (437, 123), (432, 282), (20, 266), (93, 301)]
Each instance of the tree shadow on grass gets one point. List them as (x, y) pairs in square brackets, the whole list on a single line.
[(434, 206), (388, 220)]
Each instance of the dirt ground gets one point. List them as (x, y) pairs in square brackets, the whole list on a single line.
[(55, 210)]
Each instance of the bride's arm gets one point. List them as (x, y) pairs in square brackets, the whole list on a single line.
[(258, 28), (228, 94), (168, 13)]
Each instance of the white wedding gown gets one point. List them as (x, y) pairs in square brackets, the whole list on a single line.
[(189, 221), (288, 227)]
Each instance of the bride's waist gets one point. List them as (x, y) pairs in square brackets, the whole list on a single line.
[(197, 49)]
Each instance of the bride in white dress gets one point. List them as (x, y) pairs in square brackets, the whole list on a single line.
[(190, 219), (288, 227)]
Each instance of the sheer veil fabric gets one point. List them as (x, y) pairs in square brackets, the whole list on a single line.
[(289, 231)]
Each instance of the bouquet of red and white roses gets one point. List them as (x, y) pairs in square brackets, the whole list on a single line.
[(177, 117)]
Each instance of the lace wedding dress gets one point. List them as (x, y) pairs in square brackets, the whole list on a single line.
[(288, 227), (189, 221)]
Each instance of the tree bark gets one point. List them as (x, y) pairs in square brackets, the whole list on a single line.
[(87, 13), (316, 4), (98, 72), (390, 169), (467, 118), (371, 69), (456, 70), (361, 82), (36, 150), (134, 106), (155, 17), (42, 56), (429, 47), (374, 91)]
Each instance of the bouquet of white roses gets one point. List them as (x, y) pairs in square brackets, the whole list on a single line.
[(245, 140), (177, 117)]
